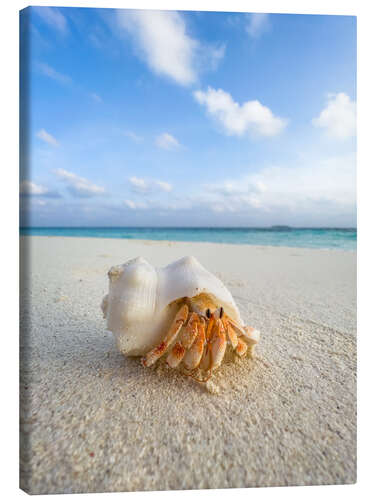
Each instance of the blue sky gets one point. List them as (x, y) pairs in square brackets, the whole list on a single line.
[(161, 118)]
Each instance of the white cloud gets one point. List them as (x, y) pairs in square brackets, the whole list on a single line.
[(321, 192), (130, 204), (46, 137), (139, 185), (163, 42), (47, 70), (239, 119), (134, 137), (234, 188), (338, 118), (96, 40), (29, 188), (162, 38), (143, 186), (96, 97), (308, 190), (258, 24), (164, 186), (41, 203), (79, 186), (135, 205), (153, 205), (28, 205), (167, 141), (53, 18), (210, 56), (317, 192)]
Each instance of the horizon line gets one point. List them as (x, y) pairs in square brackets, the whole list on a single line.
[(274, 226)]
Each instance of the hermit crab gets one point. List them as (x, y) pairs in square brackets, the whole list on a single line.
[(181, 311)]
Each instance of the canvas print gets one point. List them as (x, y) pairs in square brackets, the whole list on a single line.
[(188, 250)]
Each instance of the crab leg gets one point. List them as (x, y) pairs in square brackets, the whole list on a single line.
[(231, 333), (187, 336), (219, 344), (206, 359), (194, 354), (215, 347), (247, 333), (240, 330), (241, 347), (175, 356), (251, 336), (158, 351), (190, 332), (207, 355), (210, 327)]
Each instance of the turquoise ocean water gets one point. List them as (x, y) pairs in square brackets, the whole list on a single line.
[(330, 238)]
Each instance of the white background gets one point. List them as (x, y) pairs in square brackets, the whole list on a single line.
[(365, 10)]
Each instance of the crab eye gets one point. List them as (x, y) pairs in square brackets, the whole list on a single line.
[(221, 312), (208, 313)]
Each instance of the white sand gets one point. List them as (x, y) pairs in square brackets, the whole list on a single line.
[(94, 421)]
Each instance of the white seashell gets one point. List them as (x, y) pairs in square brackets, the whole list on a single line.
[(143, 301)]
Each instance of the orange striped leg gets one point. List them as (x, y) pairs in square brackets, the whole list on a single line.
[(207, 356), (219, 344), (187, 337), (241, 347), (151, 357), (193, 355), (229, 330)]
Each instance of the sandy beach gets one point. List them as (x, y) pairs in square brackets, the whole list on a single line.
[(94, 421)]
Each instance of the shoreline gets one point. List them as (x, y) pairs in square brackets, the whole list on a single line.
[(150, 242)]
